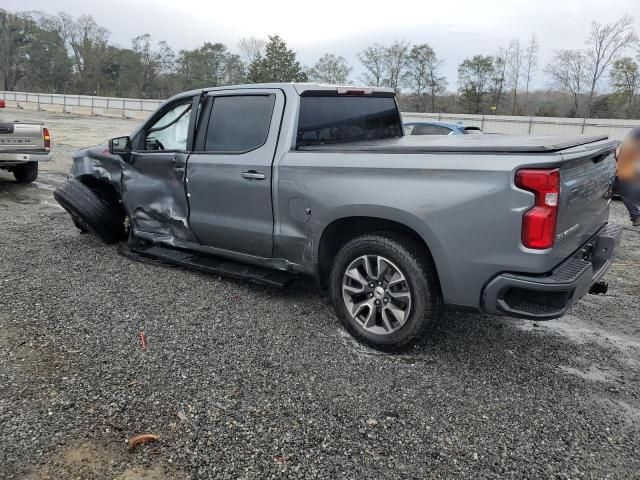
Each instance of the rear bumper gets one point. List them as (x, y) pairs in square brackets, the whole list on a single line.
[(550, 296), (11, 159)]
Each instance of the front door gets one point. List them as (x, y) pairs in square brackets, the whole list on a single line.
[(153, 190), (229, 171)]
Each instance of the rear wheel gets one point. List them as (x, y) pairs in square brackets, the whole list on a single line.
[(90, 212), (385, 290), (26, 172)]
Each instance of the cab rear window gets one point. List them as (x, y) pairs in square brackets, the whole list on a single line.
[(342, 118)]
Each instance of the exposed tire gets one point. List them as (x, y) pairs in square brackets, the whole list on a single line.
[(90, 212), (26, 173), (404, 260)]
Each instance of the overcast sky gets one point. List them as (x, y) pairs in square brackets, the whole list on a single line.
[(455, 29)]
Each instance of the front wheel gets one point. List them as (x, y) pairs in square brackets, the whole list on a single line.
[(385, 290)]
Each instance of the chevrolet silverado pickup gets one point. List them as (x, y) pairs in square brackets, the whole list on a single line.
[(266, 182), (22, 146)]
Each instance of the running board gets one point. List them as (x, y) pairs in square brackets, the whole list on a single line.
[(217, 265)]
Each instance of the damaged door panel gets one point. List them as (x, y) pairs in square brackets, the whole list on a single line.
[(153, 177), (153, 194)]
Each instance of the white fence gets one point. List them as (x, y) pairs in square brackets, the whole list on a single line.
[(140, 108)]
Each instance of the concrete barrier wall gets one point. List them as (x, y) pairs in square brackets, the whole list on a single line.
[(81, 104), (510, 125)]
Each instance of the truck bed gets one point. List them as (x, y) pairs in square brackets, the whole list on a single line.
[(461, 144)]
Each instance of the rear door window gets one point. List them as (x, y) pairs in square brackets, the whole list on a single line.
[(239, 123), (341, 118)]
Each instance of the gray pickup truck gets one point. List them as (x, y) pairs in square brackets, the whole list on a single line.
[(22, 147), (265, 182)]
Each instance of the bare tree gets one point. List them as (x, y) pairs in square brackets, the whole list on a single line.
[(89, 46), (251, 48), (514, 70), (330, 69), (606, 43), (396, 61), (421, 57), (568, 73), (499, 76), (436, 83), (531, 65), (372, 59)]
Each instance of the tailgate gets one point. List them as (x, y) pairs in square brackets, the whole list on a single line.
[(586, 176), (20, 137)]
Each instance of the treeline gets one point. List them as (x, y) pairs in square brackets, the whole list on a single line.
[(63, 54)]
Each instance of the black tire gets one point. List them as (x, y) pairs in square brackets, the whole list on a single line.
[(26, 173), (90, 212), (421, 277)]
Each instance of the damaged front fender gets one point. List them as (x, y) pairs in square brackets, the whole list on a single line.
[(97, 163)]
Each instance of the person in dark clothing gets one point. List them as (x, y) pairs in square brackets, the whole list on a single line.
[(628, 174)]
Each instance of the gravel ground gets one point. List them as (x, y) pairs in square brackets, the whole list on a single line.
[(241, 381)]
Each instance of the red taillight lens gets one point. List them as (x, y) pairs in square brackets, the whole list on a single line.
[(539, 223), (46, 137), (2, 104)]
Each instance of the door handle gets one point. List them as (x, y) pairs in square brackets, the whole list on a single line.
[(253, 175)]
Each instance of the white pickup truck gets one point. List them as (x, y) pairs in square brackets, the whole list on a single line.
[(22, 147)]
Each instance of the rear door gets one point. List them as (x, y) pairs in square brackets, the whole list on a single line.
[(229, 173), (153, 189)]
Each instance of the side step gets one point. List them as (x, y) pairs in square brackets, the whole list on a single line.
[(217, 265)]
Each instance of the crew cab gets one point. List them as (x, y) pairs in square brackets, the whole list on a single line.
[(22, 147), (265, 182)]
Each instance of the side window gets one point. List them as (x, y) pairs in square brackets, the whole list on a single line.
[(239, 123), (426, 129), (170, 132)]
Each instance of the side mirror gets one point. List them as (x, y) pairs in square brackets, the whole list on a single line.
[(120, 146)]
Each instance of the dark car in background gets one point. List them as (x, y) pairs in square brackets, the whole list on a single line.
[(439, 128)]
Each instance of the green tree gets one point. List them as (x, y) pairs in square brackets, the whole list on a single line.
[(625, 79), (278, 64), (474, 79), (15, 40), (209, 66), (49, 67)]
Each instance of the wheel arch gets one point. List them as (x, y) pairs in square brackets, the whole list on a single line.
[(104, 188), (345, 228)]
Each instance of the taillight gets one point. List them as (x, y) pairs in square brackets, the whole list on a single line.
[(540, 222), (46, 137), (2, 104)]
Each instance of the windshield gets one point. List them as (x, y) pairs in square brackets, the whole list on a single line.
[(341, 119)]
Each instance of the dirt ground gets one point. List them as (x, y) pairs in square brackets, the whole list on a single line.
[(240, 381)]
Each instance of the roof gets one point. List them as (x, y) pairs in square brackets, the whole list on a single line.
[(298, 87)]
